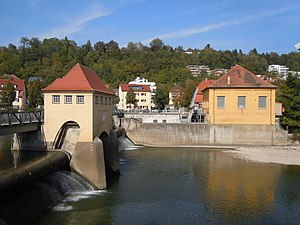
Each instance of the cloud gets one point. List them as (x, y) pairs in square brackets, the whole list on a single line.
[(76, 24), (220, 25)]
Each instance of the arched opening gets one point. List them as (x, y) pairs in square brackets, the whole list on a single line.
[(67, 136), (106, 146)]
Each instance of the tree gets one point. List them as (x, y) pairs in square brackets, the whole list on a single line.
[(188, 91), (130, 98), (160, 99), (7, 95), (289, 95), (156, 44), (35, 94)]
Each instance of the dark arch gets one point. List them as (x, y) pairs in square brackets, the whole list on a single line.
[(104, 137), (62, 139)]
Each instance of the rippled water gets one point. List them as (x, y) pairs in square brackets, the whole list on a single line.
[(187, 186)]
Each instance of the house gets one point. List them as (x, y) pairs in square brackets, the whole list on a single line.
[(240, 97), (19, 87), (142, 93), (201, 86), (151, 84), (278, 69), (80, 96), (174, 95)]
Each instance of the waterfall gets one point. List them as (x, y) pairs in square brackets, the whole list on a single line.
[(27, 206), (126, 144)]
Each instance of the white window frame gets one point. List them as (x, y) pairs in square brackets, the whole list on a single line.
[(55, 99), (80, 99), (68, 99)]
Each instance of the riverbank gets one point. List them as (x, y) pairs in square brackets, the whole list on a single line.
[(288, 155)]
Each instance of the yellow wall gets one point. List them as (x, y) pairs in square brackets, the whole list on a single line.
[(92, 118), (232, 114)]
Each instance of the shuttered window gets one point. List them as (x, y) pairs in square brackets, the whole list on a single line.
[(241, 102), (221, 101), (262, 102)]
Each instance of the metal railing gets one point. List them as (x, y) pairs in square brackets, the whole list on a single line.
[(24, 117)]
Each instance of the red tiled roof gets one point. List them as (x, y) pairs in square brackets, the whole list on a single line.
[(203, 84), (239, 77), (20, 84), (144, 88), (79, 78)]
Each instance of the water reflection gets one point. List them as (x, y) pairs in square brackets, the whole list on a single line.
[(11, 157), (188, 186)]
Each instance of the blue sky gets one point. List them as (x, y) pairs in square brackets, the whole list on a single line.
[(267, 25)]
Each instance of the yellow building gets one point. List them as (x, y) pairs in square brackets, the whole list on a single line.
[(80, 98), (240, 97), (142, 95)]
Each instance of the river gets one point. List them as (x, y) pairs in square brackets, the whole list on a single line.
[(176, 186), (186, 186)]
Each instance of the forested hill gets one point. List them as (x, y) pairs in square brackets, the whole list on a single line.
[(52, 58)]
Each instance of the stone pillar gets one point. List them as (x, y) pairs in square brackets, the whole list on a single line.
[(88, 161)]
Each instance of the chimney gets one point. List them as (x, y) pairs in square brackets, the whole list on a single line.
[(206, 80), (228, 80)]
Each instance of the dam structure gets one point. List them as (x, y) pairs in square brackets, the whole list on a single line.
[(78, 120)]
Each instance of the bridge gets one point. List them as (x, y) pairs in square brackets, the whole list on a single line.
[(19, 122)]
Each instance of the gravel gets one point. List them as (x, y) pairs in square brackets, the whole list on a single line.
[(288, 155)]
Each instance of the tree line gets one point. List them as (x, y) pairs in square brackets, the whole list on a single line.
[(51, 58)]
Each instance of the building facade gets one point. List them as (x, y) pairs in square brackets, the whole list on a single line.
[(20, 90), (152, 85), (142, 94), (278, 69), (81, 97), (240, 97)]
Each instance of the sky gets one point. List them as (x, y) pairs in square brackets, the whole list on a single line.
[(267, 25)]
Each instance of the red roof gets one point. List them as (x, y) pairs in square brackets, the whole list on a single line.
[(239, 77), (203, 84), (135, 87), (79, 78), (20, 84)]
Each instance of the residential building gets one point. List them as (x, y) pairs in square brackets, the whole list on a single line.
[(20, 90), (278, 69), (199, 90), (152, 86), (240, 97), (174, 94), (196, 70), (142, 93)]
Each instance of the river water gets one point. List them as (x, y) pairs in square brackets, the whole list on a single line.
[(187, 186), (177, 186)]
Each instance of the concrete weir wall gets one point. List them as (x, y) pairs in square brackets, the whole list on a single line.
[(202, 134)]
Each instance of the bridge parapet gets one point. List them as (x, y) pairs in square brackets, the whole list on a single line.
[(24, 117)]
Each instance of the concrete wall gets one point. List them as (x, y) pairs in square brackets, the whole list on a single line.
[(202, 134), (159, 117)]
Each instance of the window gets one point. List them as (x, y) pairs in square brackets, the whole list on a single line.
[(262, 102), (154, 121), (101, 100), (55, 99), (79, 99), (68, 99), (105, 99), (143, 94), (241, 102), (96, 100), (164, 121), (221, 101)]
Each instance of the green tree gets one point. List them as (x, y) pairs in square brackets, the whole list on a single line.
[(289, 94), (35, 94), (160, 99), (188, 91), (130, 98), (7, 95)]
